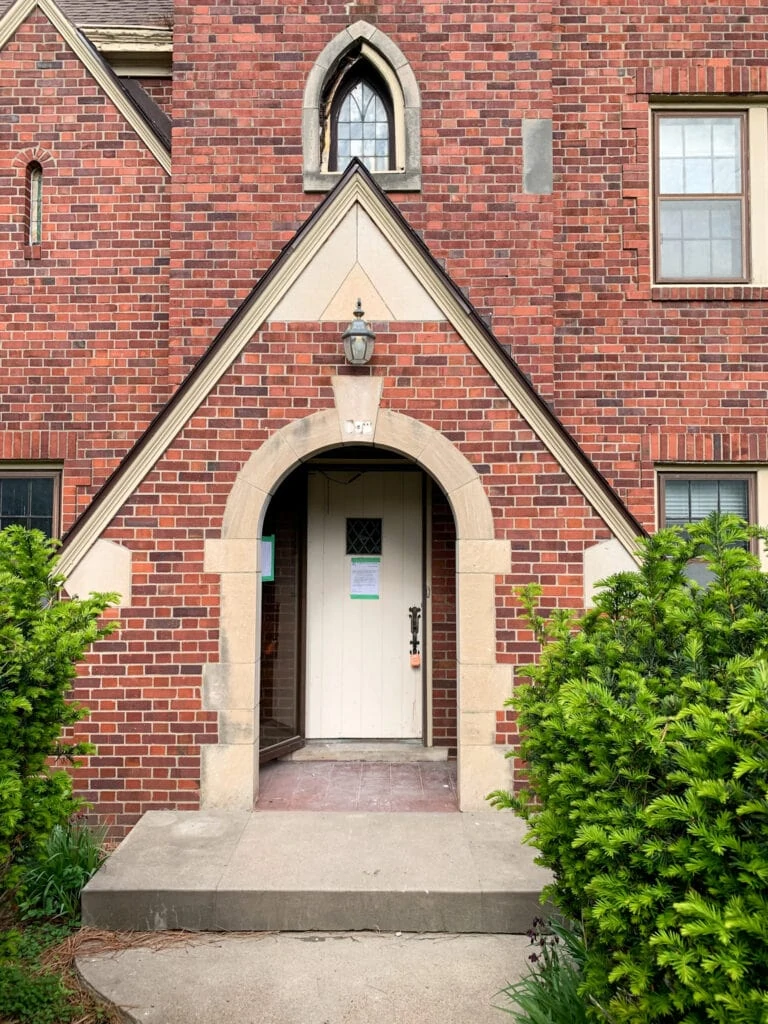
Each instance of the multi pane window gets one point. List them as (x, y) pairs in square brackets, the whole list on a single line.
[(701, 197), (29, 500), (364, 536), (361, 120), (362, 129)]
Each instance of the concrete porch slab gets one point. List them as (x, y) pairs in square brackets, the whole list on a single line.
[(318, 871)]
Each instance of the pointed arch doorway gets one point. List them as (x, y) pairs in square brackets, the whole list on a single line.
[(232, 686), (347, 606)]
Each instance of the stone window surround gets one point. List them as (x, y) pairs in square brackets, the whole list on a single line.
[(230, 768), (394, 68)]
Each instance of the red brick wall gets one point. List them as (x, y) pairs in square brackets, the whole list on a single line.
[(84, 343), (639, 375), (443, 582), (644, 374), (237, 189), (160, 89), (566, 277)]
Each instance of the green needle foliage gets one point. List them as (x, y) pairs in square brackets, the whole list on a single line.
[(646, 733), (42, 638)]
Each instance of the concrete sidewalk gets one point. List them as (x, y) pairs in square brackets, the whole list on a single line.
[(312, 978)]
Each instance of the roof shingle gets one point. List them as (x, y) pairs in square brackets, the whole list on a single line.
[(112, 12)]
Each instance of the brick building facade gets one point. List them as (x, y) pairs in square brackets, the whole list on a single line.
[(558, 234)]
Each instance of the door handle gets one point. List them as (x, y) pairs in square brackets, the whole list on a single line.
[(414, 613)]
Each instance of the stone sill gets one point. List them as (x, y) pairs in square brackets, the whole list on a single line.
[(389, 181)]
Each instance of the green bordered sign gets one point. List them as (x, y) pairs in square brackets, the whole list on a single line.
[(365, 578)]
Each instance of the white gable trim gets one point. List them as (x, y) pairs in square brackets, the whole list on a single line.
[(18, 14), (357, 189)]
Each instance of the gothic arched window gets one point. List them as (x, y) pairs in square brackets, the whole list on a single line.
[(35, 204), (362, 101), (362, 124)]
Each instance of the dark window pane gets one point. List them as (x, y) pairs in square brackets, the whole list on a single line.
[(41, 496), (12, 521), (42, 523), (28, 502), (15, 499), (690, 501), (364, 536)]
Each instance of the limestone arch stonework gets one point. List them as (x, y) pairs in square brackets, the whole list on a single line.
[(396, 70), (231, 685)]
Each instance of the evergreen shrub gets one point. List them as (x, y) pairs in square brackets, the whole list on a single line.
[(42, 638), (645, 730)]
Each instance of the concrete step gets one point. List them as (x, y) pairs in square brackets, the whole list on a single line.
[(319, 871), (394, 751)]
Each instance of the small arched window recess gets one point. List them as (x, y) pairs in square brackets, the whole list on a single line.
[(361, 100), (34, 204), (361, 120)]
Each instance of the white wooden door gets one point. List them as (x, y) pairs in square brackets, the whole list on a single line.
[(360, 680)]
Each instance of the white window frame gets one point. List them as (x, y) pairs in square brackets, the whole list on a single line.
[(755, 174)]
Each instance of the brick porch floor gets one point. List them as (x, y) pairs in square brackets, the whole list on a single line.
[(357, 786)]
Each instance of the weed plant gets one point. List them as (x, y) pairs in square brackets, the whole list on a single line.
[(52, 880), (549, 993)]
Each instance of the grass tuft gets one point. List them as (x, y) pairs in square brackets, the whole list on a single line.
[(52, 880)]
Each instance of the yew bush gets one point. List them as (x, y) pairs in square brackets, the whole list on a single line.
[(42, 638), (645, 730)]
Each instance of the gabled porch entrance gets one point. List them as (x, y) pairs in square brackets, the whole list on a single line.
[(232, 684)]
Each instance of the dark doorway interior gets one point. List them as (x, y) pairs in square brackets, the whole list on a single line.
[(281, 713)]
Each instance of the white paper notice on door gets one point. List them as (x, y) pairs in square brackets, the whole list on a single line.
[(364, 579)]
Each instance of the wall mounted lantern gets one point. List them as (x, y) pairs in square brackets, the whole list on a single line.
[(358, 338)]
